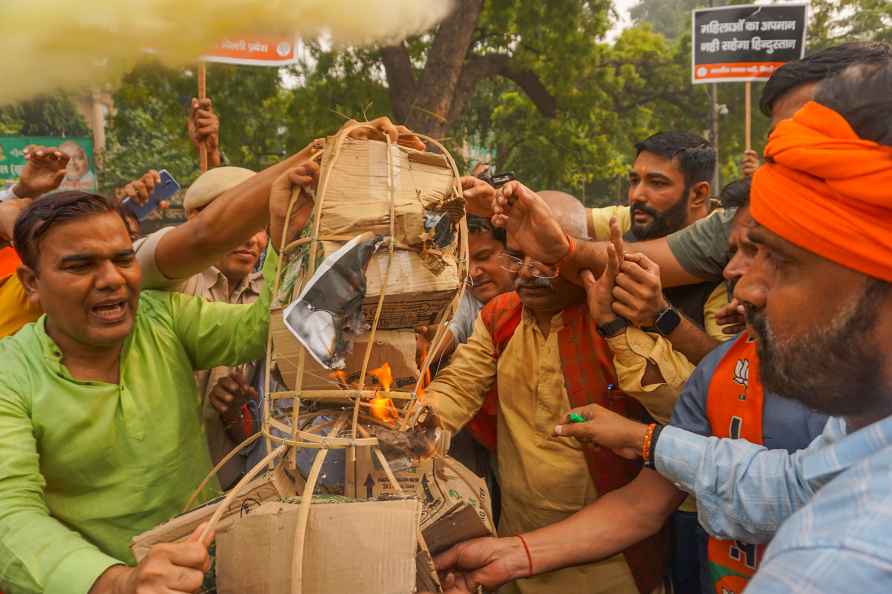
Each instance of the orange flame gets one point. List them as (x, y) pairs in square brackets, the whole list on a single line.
[(380, 407), (384, 410), (384, 375), (341, 377)]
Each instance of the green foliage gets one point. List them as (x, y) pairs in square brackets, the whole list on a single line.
[(608, 95), (52, 115), (834, 21), (148, 129)]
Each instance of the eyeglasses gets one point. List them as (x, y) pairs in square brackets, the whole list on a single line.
[(533, 267)]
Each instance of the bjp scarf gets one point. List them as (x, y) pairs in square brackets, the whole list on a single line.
[(828, 191)]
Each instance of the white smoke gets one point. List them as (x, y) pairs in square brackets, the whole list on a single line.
[(49, 45)]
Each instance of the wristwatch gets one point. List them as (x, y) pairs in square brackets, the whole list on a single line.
[(667, 321), (613, 328)]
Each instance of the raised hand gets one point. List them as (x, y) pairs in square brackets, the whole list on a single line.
[(304, 176), (732, 318), (638, 295), (140, 189), (204, 126), (382, 127), (599, 292), (479, 196), (530, 223), (749, 163), (43, 172), (605, 428)]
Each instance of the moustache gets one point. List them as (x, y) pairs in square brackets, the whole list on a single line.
[(638, 207), (533, 283), (756, 321), (472, 282)]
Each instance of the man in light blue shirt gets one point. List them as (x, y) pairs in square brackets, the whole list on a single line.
[(819, 303)]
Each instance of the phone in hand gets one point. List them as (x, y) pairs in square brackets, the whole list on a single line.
[(500, 179), (164, 190)]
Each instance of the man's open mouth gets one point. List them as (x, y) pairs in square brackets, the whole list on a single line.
[(110, 311)]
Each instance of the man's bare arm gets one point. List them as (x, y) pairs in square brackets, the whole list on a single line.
[(227, 222), (529, 220), (692, 341), (611, 524)]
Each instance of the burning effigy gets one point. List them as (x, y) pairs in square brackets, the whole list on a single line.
[(384, 252)]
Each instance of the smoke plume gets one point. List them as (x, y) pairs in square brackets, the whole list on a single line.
[(78, 44)]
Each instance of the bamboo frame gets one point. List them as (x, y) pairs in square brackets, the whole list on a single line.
[(298, 438)]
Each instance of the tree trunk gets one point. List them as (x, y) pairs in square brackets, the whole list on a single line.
[(424, 105), (430, 103)]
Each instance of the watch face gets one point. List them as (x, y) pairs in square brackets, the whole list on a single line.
[(668, 321)]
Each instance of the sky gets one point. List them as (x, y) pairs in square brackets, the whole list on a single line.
[(622, 9)]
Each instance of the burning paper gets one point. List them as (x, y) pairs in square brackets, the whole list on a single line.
[(328, 313)]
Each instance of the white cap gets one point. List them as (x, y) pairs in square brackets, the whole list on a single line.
[(211, 184)]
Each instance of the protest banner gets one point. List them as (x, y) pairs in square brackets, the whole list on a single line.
[(245, 51), (81, 172), (745, 43), (254, 51)]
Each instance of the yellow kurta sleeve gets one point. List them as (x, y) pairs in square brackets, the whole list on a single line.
[(717, 300), (632, 351), (600, 221), (457, 393)]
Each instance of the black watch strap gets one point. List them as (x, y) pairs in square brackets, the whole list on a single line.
[(613, 328)]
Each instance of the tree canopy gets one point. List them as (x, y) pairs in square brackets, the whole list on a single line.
[(535, 87)]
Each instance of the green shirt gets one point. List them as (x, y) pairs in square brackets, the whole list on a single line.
[(85, 466)]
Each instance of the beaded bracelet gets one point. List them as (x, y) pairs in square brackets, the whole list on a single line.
[(648, 437)]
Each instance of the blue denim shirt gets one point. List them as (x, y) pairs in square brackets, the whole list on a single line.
[(834, 501)]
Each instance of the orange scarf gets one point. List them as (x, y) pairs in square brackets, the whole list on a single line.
[(828, 191)]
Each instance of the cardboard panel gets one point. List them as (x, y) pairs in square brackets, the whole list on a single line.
[(366, 547)]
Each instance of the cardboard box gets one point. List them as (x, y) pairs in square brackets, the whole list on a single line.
[(394, 347), (366, 547), (358, 195), (270, 486), (414, 294), (442, 484)]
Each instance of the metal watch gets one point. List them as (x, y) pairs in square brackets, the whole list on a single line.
[(613, 328), (667, 321)]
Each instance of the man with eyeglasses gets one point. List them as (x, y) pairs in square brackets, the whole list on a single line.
[(540, 347)]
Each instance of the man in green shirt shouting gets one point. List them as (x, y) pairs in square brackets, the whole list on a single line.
[(100, 431)]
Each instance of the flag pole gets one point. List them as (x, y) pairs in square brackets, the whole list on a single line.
[(748, 115), (202, 94)]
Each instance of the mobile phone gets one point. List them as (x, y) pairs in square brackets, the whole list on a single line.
[(500, 179), (165, 189)]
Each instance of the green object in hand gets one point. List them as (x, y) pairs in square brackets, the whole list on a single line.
[(577, 418)]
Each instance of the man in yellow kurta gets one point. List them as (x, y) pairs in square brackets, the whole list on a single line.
[(544, 478)]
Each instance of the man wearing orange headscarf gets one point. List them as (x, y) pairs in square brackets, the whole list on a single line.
[(819, 304)]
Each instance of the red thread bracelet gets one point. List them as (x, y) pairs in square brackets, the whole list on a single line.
[(529, 556), (571, 249)]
